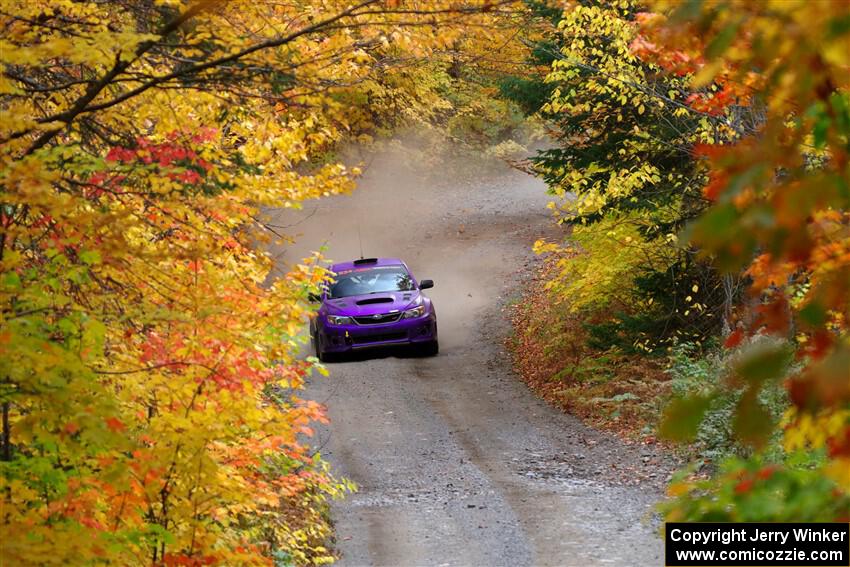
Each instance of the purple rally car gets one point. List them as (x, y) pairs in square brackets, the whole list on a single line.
[(373, 302)]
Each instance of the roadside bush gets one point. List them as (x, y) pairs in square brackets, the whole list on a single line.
[(755, 490), (695, 371), (610, 389)]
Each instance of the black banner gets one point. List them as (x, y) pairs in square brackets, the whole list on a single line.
[(756, 544)]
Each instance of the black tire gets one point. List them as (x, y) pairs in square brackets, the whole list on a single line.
[(431, 348), (322, 355), (329, 357)]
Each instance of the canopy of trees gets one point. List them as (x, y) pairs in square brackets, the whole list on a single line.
[(148, 375), (148, 372)]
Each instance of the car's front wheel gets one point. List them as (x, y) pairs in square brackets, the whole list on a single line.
[(320, 352)]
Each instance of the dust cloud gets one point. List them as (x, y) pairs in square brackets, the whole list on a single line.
[(443, 218), (440, 446)]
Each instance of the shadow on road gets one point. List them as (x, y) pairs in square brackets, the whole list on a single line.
[(401, 351)]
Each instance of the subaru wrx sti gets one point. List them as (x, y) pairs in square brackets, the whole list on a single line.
[(373, 302)]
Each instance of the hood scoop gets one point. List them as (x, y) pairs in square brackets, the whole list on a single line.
[(373, 300)]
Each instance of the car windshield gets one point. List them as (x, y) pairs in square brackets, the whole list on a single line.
[(362, 281)]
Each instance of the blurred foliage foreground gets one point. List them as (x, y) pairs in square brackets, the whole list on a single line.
[(700, 161)]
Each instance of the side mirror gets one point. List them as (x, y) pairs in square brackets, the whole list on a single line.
[(314, 298), (426, 284)]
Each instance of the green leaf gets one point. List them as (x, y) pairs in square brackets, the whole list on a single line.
[(67, 326), (687, 10), (713, 226), (11, 280), (722, 40), (90, 257), (839, 26), (683, 416), (763, 362), (753, 423), (814, 314), (94, 334)]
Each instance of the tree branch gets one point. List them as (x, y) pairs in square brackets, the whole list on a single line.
[(95, 88)]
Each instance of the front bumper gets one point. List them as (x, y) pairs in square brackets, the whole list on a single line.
[(345, 338)]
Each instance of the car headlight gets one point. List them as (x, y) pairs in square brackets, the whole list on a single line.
[(414, 313), (338, 320)]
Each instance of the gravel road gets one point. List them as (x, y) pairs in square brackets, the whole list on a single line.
[(456, 461)]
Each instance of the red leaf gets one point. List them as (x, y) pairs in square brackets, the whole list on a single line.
[(839, 446), (115, 424), (766, 472), (821, 344), (734, 339), (744, 486), (715, 186)]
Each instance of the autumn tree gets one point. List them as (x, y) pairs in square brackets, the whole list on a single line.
[(780, 203), (626, 179), (149, 379)]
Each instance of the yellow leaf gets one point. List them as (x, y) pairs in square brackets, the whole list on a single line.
[(705, 75)]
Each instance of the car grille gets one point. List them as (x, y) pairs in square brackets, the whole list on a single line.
[(371, 320), (378, 338)]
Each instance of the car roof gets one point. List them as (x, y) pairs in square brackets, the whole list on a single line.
[(366, 263)]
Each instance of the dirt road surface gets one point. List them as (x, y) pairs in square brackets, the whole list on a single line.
[(456, 461)]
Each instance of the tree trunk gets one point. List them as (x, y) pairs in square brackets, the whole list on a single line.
[(7, 434)]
